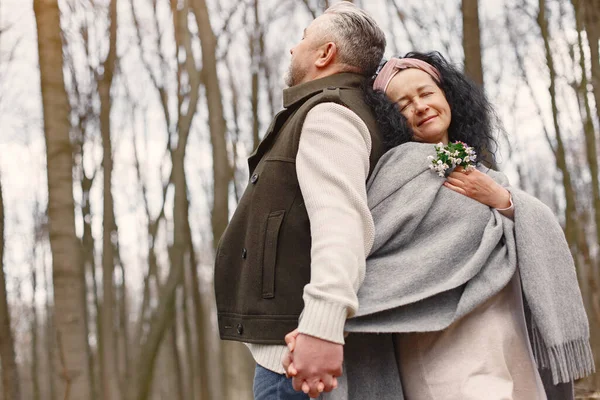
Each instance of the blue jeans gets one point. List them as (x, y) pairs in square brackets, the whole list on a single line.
[(269, 385)]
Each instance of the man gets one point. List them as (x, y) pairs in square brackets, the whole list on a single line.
[(293, 255)]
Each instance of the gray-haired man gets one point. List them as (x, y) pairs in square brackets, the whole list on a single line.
[(293, 255)]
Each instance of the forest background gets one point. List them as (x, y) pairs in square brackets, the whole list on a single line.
[(124, 129)]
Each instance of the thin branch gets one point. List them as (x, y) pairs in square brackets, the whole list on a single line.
[(402, 17), (312, 12)]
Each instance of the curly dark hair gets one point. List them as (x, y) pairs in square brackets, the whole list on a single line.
[(474, 120)]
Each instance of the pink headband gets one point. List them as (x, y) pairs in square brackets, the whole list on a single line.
[(395, 65)]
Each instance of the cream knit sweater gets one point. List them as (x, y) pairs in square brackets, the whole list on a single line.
[(332, 167)]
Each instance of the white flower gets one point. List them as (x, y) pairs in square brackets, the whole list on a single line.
[(455, 154)]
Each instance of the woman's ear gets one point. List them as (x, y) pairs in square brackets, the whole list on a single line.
[(327, 54)]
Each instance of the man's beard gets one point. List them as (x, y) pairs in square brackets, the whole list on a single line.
[(294, 74)]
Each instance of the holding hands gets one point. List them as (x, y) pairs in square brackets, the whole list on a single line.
[(313, 364)]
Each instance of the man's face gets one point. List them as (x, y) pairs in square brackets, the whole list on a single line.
[(305, 53)]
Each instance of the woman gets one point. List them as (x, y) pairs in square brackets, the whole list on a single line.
[(454, 316)]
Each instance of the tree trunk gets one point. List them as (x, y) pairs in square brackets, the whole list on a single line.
[(162, 319), (234, 135), (588, 126), (593, 280), (572, 225), (238, 367), (591, 18), (108, 356), (203, 329), (216, 121), (89, 268), (472, 41), (8, 360), (173, 354), (164, 316), (34, 321), (49, 334), (124, 343), (255, 63), (67, 269), (191, 354)]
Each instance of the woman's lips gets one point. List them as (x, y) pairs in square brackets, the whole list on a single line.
[(427, 120)]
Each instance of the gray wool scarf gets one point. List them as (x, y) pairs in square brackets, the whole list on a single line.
[(437, 255)]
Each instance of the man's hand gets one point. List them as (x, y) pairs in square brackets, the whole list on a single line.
[(313, 363)]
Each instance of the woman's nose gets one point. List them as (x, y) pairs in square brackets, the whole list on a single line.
[(420, 106)]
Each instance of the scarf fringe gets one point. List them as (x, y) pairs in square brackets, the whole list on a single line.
[(568, 361)]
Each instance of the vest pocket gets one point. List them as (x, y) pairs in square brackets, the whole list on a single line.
[(270, 253)]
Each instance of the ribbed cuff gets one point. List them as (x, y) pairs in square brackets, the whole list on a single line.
[(324, 320), (510, 207)]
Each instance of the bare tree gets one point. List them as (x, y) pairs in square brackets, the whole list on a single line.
[(590, 134), (188, 84), (587, 117), (84, 118), (255, 62), (572, 225), (472, 40), (71, 340), (591, 19), (49, 332), (216, 120), (402, 17), (203, 328), (238, 366), (108, 356), (593, 264), (8, 362)]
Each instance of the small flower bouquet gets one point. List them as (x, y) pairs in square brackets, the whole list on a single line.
[(451, 156)]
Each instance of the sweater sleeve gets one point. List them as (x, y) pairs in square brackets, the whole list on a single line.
[(508, 212), (332, 167)]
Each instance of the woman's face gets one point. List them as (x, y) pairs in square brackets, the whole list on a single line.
[(423, 104)]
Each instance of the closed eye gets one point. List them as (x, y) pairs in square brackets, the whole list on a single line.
[(403, 106)]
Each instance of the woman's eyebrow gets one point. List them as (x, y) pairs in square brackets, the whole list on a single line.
[(427, 86)]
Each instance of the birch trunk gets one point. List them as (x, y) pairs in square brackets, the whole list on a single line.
[(69, 314)]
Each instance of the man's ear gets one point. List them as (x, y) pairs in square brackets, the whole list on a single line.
[(327, 55)]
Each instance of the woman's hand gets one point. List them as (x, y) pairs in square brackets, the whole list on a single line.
[(478, 186)]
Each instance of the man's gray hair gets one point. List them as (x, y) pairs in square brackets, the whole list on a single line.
[(359, 40)]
